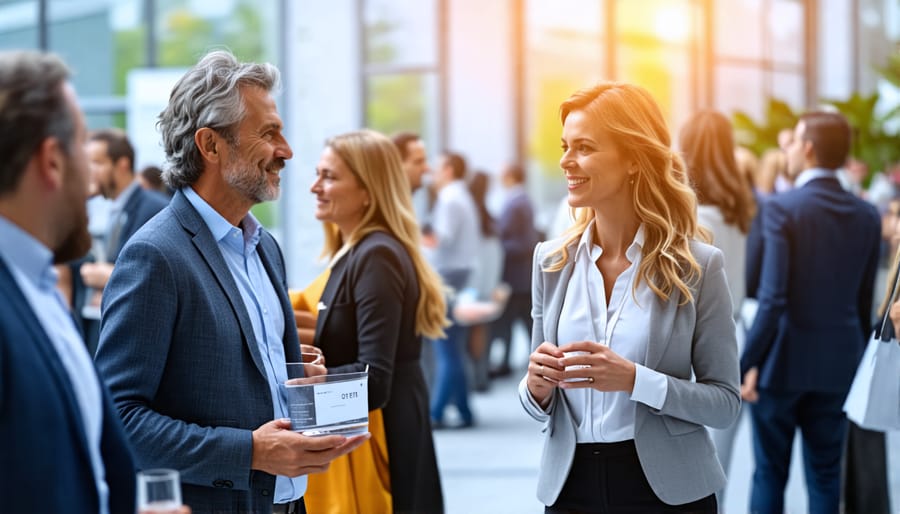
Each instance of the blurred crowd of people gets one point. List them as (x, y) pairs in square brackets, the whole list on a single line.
[(673, 285)]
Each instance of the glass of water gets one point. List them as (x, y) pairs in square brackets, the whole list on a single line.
[(159, 491)]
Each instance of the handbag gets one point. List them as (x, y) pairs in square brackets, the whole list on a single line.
[(874, 398)]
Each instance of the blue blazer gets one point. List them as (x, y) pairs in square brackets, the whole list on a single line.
[(820, 253), (44, 460), (140, 207), (178, 352), (518, 237)]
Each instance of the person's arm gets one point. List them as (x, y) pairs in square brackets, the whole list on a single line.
[(377, 278), (772, 293), (140, 312), (713, 397), (536, 394), (866, 291)]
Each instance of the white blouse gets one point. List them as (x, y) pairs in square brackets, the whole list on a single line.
[(623, 325)]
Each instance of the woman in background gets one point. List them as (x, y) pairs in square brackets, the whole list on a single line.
[(727, 209), (381, 298)]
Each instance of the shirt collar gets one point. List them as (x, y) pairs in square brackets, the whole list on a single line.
[(220, 227), (119, 203), (807, 176), (586, 244), (22, 251)]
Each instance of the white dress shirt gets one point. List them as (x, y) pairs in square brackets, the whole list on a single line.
[(455, 224), (607, 417)]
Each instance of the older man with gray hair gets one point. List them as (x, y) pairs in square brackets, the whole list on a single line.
[(197, 327)]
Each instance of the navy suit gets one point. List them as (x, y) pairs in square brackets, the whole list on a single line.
[(178, 352), (140, 207), (518, 237), (45, 461), (819, 257)]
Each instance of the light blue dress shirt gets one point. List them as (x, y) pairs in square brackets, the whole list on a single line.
[(239, 248), (31, 264)]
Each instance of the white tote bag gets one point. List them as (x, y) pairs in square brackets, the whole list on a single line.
[(874, 398)]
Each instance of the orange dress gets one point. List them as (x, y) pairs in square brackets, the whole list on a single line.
[(357, 483)]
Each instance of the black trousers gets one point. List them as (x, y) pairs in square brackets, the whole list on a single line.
[(607, 478)]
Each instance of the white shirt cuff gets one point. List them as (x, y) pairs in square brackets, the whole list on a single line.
[(650, 387), (530, 404)]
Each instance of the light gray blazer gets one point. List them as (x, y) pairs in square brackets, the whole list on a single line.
[(674, 448)]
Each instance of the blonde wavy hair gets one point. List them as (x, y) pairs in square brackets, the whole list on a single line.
[(663, 199), (375, 162), (707, 145)]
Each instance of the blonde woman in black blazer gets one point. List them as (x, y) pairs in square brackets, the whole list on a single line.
[(380, 300)]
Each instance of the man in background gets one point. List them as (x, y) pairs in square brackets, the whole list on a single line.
[(820, 253), (518, 237), (413, 157), (111, 158)]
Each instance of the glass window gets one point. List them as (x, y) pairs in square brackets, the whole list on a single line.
[(403, 102), (785, 24), (740, 88), (18, 24), (564, 51), (789, 87), (738, 28), (401, 33)]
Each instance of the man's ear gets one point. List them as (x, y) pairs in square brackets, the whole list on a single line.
[(207, 141), (809, 153), (50, 161)]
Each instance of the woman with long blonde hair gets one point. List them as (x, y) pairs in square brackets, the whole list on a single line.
[(380, 300), (627, 306)]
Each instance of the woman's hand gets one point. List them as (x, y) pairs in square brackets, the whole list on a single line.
[(544, 372), (306, 326), (597, 367), (895, 318)]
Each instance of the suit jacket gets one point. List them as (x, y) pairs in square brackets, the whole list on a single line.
[(45, 460), (820, 254), (142, 205), (518, 236), (178, 352), (753, 261), (674, 448), (369, 318)]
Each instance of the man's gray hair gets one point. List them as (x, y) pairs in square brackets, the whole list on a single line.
[(208, 95)]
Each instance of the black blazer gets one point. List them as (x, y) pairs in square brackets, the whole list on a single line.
[(44, 460), (367, 317)]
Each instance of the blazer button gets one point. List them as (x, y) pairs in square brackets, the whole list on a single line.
[(219, 483), (229, 484), (264, 492)]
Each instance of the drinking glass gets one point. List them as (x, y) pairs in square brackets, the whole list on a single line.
[(159, 491)]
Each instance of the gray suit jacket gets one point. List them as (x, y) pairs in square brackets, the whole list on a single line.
[(674, 448)]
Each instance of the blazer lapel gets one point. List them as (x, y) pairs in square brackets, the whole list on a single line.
[(556, 284), (328, 294), (209, 250)]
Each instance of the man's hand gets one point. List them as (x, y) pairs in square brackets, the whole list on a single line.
[(278, 450), (895, 318), (748, 387), (96, 274)]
